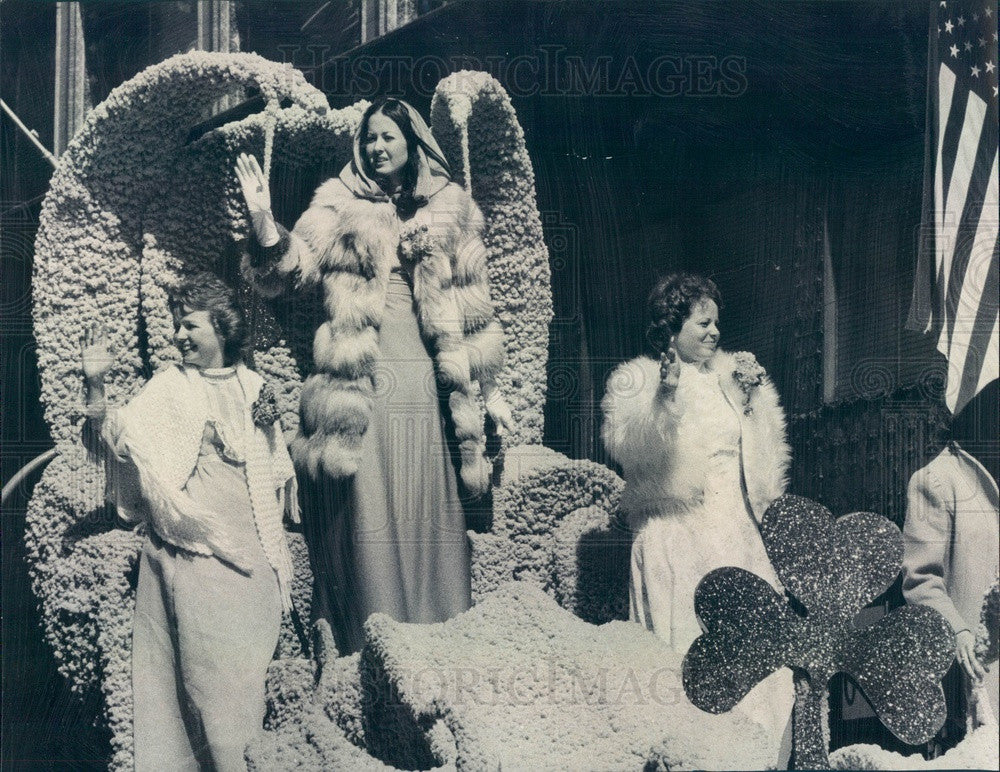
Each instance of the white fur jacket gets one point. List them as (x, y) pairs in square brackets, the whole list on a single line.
[(349, 245), (659, 443)]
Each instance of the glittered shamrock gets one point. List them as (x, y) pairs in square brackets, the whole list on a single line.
[(834, 569)]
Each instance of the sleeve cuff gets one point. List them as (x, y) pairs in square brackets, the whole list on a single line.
[(262, 258)]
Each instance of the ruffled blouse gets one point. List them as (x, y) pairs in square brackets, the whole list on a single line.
[(227, 406)]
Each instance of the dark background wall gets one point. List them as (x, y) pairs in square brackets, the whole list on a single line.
[(746, 141), (751, 141)]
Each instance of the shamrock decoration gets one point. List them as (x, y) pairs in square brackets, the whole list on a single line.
[(833, 568)]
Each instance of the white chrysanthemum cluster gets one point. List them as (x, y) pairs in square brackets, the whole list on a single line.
[(544, 501), (988, 631), (519, 683), (977, 751)]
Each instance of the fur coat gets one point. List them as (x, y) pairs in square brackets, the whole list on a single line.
[(660, 446), (349, 245)]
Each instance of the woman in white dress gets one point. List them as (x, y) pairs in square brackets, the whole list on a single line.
[(700, 437)]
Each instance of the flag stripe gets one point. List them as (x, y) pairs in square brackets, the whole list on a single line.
[(958, 189), (977, 356), (978, 303), (978, 203), (946, 89), (991, 365), (952, 124)]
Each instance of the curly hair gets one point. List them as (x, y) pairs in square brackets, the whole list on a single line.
[(394, 110), (207, 292), (671, 301)]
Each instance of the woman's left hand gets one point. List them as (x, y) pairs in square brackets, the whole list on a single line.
[(965, 653), (499, 411)]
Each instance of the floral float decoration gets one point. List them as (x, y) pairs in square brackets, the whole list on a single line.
[(833, 568), (133, 206), (475, 124), (988, 631)]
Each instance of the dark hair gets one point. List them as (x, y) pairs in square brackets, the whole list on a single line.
[(671, 301), (395, 111), (207, 292)]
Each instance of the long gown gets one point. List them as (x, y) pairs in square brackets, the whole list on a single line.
[(671, 554), (397, 524), (204, 633)]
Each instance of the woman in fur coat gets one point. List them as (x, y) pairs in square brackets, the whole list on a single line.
[(397, 248), (700, 437)]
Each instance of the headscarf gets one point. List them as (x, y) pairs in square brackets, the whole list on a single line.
[(432, 168)]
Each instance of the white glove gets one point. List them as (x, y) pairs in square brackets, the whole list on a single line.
[(258, 199), (498, 410)]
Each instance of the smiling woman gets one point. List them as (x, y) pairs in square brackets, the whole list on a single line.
[(210, 331), (386, 149), (210, 483), (397, 247), (700, 436), (200, 345)]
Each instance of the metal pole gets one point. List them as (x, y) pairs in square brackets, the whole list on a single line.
[(30, 134), (24, 471)]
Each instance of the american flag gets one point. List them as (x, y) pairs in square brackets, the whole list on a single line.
[(956, 293)]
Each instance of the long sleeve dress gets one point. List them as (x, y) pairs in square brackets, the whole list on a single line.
[(397, 525), (691, 513), (204, 630)]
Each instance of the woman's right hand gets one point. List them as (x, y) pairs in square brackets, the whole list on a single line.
[(965, 653), (95, 356), (255, 189), (670, 372), (258, 198)]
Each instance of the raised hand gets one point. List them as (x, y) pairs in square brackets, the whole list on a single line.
[(95, 355), (258, 198), (670, 371), (255, 189)]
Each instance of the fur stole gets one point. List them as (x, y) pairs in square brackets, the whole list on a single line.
[(349, 245), (660, 448)]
